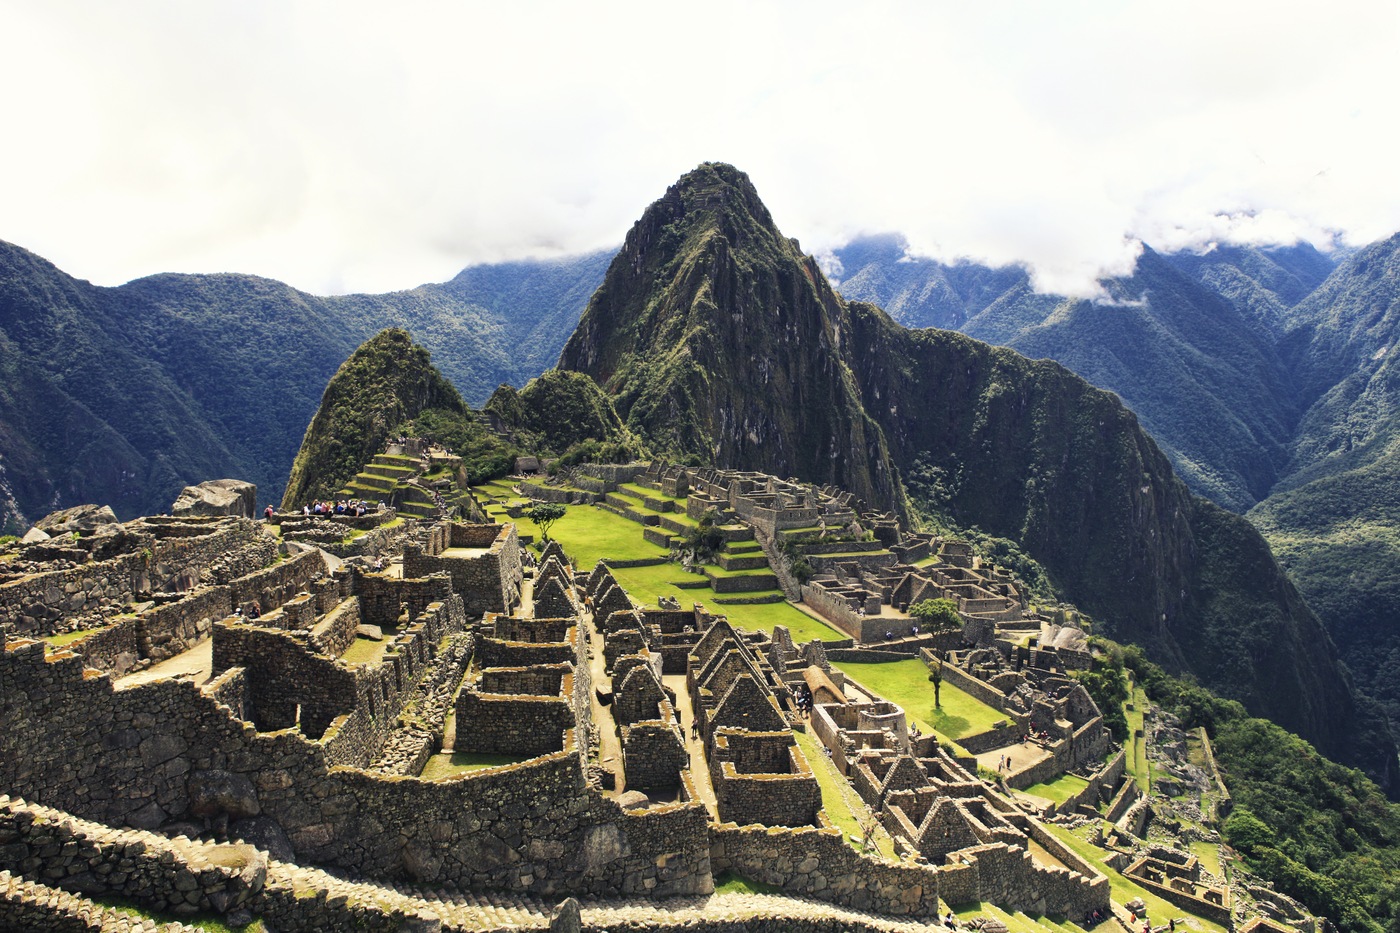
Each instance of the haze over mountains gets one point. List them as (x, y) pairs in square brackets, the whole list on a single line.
[(1262, 374)]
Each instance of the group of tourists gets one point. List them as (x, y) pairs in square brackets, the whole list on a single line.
[(802, 699), (340, 507)]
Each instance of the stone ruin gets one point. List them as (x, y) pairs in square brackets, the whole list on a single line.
[(429, 737)]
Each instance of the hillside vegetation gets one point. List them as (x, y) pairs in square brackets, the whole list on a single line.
[(123, 396)]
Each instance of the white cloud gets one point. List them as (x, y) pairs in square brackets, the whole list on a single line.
[(368, 147)]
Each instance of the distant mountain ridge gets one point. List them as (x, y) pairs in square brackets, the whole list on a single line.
[(125, 395)]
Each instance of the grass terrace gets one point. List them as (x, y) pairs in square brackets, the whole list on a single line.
[(1124, 890), (906, 684), (1019, 922), (448, 764), (1059, 790), (589, 534), (842, 804)]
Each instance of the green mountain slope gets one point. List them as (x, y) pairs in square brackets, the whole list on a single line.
[(1335, 519), (717, 338), (125, 395), (1200, 371), (374, 395)]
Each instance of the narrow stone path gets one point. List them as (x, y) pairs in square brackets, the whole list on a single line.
[(694, 744), (194, 665)]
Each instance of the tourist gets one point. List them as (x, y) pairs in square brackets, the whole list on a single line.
[(267, 514)]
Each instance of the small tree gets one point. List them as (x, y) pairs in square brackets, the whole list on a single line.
[(935, 675), (936, 613), (545, 514)]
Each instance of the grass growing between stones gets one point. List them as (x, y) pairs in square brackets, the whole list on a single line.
[(365, 651), (1018, 922), (906, 684), (1059, 790), (209, 924), (446, 765), (67, 638), (726, 882), (842, 804), (1124, 890)]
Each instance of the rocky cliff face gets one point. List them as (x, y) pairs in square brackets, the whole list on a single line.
[(717, 338)]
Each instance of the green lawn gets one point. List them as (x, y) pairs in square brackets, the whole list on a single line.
[(589, 534), (1059, 790), (842, 804), (366, 650), (1124, 890), (763, 616), (726, 882), (1016, 922), (445, 764), (1209, 855), (906, 684)]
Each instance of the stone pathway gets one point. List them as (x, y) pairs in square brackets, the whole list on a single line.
[(694, 744)]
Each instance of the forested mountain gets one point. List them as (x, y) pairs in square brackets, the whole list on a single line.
[(1200, 370), (125, 395), (719, 340), (1335, 519)]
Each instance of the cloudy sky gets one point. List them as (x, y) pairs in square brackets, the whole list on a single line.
[(374, 146)]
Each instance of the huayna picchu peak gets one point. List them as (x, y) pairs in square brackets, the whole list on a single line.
[(759, 611)]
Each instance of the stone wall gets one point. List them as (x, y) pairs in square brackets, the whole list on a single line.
[(288, 682), (1009, 877), (164, 875), (488, 582), (653, 755), (817, 863), (384, 598), (273, 586), (336, 632), (1100, 787), (125, 756), (968, 684), (524, 726)]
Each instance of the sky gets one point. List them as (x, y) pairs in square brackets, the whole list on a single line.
[(372, 146)]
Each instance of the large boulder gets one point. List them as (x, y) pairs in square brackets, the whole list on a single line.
[(84, 519), (215, 793), (218, 497)]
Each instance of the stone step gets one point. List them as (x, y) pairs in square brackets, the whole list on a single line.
[(757, 561), (374, 481)]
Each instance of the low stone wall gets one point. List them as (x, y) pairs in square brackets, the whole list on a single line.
[(1101, 784), (499, 724), (29, 907), (167, 876), (992, 739), (1010, 878), (817, 863), (336, 632), (274, 585)]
